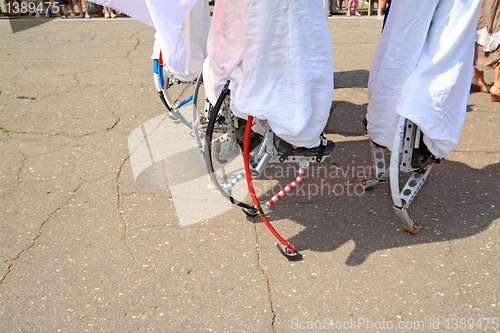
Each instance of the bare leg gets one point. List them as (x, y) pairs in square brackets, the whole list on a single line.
[(495, 90), (381, 7), (71, 7), (109, 12), (80, 8), (496, 82), (479, 76), (64, 10)]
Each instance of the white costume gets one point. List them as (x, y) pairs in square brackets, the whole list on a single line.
[(278, 57), (422, 71), (182, 29)]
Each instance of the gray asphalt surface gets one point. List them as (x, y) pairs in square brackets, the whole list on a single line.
[(84, 249)]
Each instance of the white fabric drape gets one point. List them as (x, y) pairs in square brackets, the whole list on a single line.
[(489, 42), (182, 30), (278, 57), (422, 71)]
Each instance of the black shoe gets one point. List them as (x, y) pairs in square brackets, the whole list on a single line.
[(255, 138), (285, 149), (422, 157), (365, 123)]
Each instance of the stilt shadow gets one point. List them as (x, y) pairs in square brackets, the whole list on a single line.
[(345, 115), (351, 79), (456, 201)]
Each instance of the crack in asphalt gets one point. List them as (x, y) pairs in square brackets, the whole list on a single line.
[(18, 173), (119, 206), (268, 280), (133, 49), (63, 134), (139, 32), (12, 261), (145, 138), (75, 77), (185, 88)]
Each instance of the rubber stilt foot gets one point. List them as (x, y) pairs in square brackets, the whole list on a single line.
[(291, 256), (250, 211), (362, 183), (412, 230)]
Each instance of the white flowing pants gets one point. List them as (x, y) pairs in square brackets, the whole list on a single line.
[(278, 56), (422, 71)]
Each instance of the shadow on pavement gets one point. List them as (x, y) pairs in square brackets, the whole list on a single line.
[(346, 115), (351, 79), (456, 201)]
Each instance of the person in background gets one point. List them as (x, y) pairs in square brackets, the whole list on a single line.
[(340, 11), (71, 6), (109, 12), (80, 8), (330, 7), (380, 8), (487, 55), (352, 8), (63, 8)]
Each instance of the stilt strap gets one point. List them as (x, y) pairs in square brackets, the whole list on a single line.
[(322, 148)]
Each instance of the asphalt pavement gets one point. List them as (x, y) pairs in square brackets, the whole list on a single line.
[(85, 249)]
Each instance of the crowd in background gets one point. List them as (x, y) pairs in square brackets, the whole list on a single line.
[(59, 8), (487, 48), (487, 55), (66, 8)]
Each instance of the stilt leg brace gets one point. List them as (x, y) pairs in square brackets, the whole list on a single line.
[(406, 140), (382, 173), (322, 148), (285, 247), (267, 204), (229, 186)]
